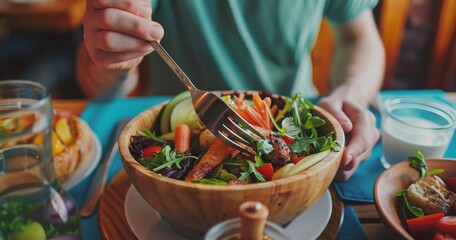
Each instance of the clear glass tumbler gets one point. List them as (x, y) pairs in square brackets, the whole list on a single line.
[(33, 205), (410, 124)]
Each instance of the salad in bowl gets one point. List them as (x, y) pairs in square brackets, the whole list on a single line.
[(186, 150), (194, 180)]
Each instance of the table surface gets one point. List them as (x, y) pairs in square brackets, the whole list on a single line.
[(115, 226), (60, 15), (367, 213)]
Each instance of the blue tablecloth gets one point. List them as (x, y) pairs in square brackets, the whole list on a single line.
[(103, 115)]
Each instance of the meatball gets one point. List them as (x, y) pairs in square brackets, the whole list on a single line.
[(280, 156)]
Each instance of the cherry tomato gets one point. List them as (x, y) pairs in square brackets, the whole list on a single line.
[(447, 225), (150, 150), (287, 139), (451, 184), (423, 225), (266, 170)]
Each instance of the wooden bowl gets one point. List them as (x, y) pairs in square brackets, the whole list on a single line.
[(397, 177), (197, 207)]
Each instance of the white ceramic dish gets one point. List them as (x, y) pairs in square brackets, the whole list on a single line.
[(311, 223), (87, 166)]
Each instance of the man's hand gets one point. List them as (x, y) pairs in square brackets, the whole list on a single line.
[(358, 124), (116, 38), (116, 32)]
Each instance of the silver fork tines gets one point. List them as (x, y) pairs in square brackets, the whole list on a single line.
[(216, 115), (225, 123)]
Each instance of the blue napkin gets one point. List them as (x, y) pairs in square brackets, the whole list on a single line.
[(359, 188), (102, 117)]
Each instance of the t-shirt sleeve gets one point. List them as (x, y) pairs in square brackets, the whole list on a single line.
[(154, 4), (342, 11)]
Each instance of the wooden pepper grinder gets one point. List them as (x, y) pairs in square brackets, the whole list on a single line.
[(250, 225), (253, 216)]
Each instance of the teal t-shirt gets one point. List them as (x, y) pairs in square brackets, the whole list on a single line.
[(244, 44)]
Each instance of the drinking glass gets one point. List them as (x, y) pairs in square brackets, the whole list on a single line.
[(33, 205), (410, 124)]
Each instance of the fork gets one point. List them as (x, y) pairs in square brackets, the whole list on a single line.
[(216, 115)]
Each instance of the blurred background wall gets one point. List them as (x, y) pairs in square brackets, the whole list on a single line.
[(418, 43)]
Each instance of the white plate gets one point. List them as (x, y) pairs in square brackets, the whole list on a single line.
[(88, 164), (310, 224)]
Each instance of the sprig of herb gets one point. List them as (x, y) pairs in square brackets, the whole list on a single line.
[(251, 168), (419, 164), (302, 119), (314, 143), (163, 159), (313, 122), (248, 167), (418, 212), (151, 135)]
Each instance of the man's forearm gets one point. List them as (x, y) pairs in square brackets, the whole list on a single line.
[(358, 66), (358, 71), (96, 80)]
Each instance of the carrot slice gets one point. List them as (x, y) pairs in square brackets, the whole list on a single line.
[(274, 110), (258, 102), (239, 102), (182, 134), (215, 155), (255, 116), (267, 100), (244, 115)]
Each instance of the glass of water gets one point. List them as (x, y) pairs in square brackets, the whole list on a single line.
[(33, 205), (410, 124)]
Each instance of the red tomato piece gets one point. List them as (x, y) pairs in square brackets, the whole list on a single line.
[(150, 150), (266, 170), (287, 139), (296, 160), (451, 184), (423, 225), (447, 225)]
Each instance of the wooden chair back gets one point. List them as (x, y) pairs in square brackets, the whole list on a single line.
[(391, 16)]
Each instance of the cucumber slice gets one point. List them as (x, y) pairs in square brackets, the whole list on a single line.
[(184, 112), (166, 114)]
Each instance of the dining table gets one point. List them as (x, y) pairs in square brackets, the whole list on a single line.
[(109, 221)]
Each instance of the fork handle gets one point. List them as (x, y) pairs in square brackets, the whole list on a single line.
[(172, 64)]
